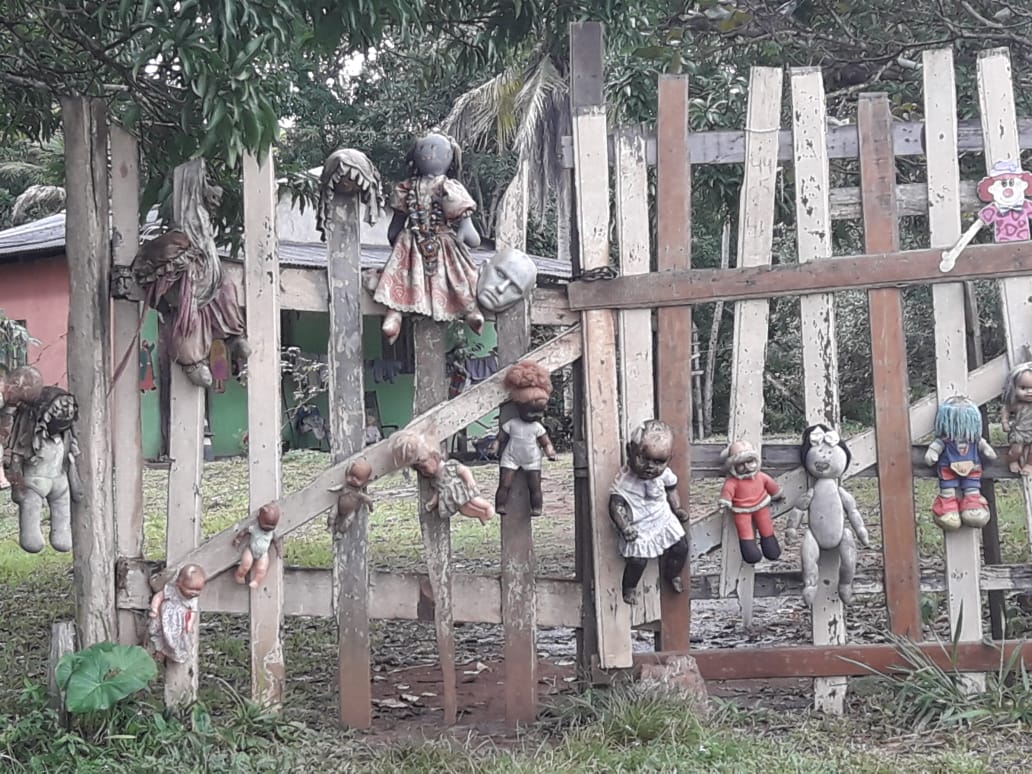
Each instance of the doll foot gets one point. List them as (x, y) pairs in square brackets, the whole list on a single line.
[(253, 584), (475, 321), (4, 484), (32, 541), (391, 327), (845, 593), (535, 512), (946, 514), (974, 511), (61, 540), (770, 547), (630, 596), (750, 551), (199, 374), (677, 584), (1026, 471), (1014, 467), (809, 594), (240, 577)]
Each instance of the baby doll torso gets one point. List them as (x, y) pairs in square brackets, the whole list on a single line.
[(260, 540), (522, 450), (747, 495)]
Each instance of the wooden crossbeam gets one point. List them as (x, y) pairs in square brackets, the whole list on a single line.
[(878, 270)]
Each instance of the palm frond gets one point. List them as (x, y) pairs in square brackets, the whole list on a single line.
[(477, 114), (18, 174)]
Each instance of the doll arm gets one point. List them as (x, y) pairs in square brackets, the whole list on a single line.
[(949, 257), (674, 499), (239, 537), (773, 488), (800, 508), (1005, 417), (727, 493), (546, 446), (466, 232), (74, 479), (155, 603), (621, 516), (431, 504), (397, 224), (986, 449), (467, 476), (277, 543), (501, 441), (935, 449), (856, 520), (366, 500)]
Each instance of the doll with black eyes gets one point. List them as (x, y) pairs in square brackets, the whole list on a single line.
[(645, 508)]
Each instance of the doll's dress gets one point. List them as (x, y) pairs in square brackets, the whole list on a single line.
[(522, 450), (1021, 425), (451, 490), (651, 515), (168, 632), (429, 271), (260, 540)]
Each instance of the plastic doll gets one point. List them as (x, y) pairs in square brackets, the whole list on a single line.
[(173, 614), (956, 453), (1016, 418), (828, 506), (522, 438), (352, 495), (1007, 210), (747, 494), (505, 279), (429, 271), (646, 509), (260, 536), (455, 489)]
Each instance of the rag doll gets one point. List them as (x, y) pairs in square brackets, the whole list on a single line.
[(747, 494), (522, 438), (173, 614), (352, 495), (259, 538), (956, 454)]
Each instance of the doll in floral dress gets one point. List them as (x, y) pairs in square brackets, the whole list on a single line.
[(429, 271), (173, 614)]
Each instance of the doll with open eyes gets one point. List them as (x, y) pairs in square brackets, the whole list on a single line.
[(1016, 418)]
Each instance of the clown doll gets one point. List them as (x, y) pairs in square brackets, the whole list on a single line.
[(1007, 210), (956, 453), (747, 494)]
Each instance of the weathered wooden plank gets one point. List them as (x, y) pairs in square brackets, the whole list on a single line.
[(264, 430), (749, 358), (62, 642), (519, 563), (911, 199), (674, 326), (127, 453), (961, 546), (889, 372), (887, 269), (612, 616), (820, 350), (439, 423), (635, 361), (999, 128), (431, 389), (728, 146), (347, 413), (84, 122), (854, 660)]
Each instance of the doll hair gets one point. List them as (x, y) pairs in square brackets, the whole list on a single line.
[(528, 381), (454, 170), (270, 514), (1010, 391), (652, 433), (191, 575), (407, 446), (806, 445), (958, 419)]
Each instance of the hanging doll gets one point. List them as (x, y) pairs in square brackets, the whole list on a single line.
[(828, 506), (352, 495), (173, 614), (43, 467), (21, 385), (747, 494), (646, 509), (455, 489), (1016, 418), (1007, 210), (522, 438), (956, 454), (260, 537), (429, 271)]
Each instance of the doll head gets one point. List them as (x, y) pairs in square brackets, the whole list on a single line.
[(435, 154), (358, 474), (505, 278), (268, 516), (958, 419), (1006, 187), (190, 581), (1018, 388), (60, 410), (412, 449), (823, 453), (22, 385), (649, 449), (741, 459), (529, 386)]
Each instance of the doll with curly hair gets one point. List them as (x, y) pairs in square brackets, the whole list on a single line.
[(455, 489), (522, 439)]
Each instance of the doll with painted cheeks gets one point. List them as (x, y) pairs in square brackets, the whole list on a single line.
[(260, 537), (174, 612)]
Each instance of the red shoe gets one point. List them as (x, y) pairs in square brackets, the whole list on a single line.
[(974, 511), (946, 513)]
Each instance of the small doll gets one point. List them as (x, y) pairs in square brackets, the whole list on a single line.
[(646, 509), (747, 494), (260, 537), (1016, 418), (505, 279), (173, 614), (955, 453), (429, 271), (825, 458), (522, 438), (1007, 210), (352, 495), (455, 489)]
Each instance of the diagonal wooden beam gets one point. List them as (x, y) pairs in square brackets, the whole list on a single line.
[(217, 553)]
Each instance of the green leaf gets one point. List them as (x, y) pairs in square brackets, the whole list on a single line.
[(102, 675)]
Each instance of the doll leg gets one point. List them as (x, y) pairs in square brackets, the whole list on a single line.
[(60, 501), (260, 567), (246, 560), (847, 566), (768, 540), (974, 509), (30, 513), (673, 562), (945, 509), (4, 483), (1015, 457), (391, 325), (634, 568), (747, 538), (809, 556), (534, 488), (478, 508), (505, 479)]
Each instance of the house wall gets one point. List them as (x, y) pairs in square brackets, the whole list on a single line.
[(37, 292)]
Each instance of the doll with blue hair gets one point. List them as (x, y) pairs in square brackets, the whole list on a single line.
[(957, 453)]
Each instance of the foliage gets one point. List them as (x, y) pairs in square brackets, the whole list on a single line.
[(310, 378), (98, 677), (14, 342)]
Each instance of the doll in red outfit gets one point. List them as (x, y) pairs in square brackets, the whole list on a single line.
[(746, 495)]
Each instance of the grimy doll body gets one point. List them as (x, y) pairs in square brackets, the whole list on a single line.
[(522, 439), (1016, 418), (259, 538)]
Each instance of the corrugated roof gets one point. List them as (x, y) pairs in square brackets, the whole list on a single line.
[(47, 236)]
